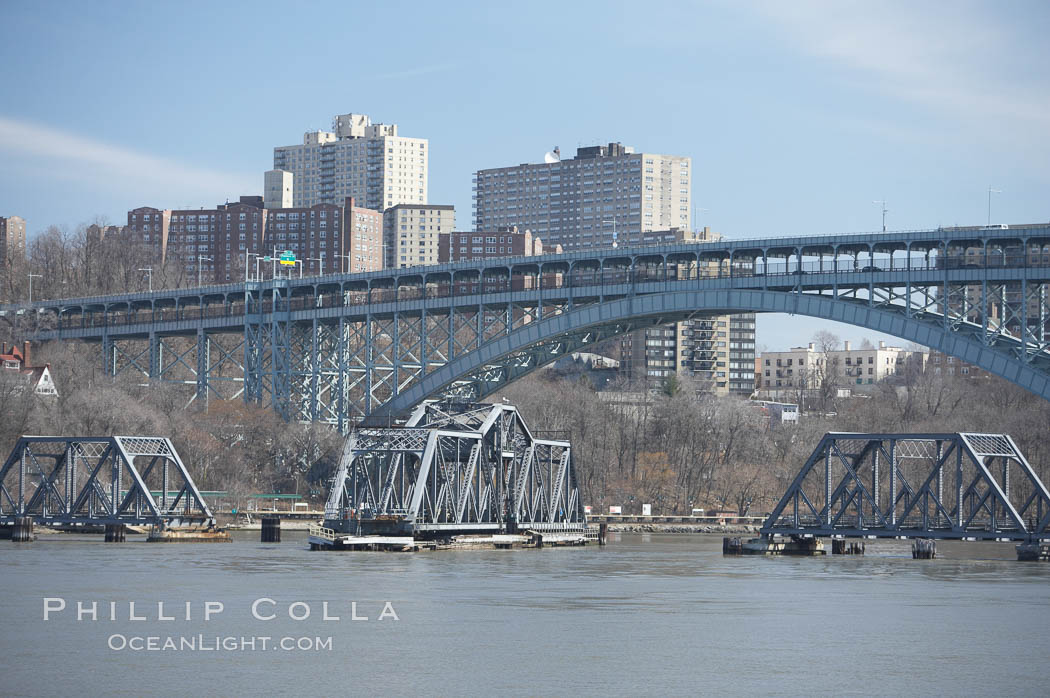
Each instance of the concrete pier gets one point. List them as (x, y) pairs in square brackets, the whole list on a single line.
[(773, 545), (1038, 551)]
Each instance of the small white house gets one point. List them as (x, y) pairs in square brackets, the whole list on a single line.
[(38, 377)]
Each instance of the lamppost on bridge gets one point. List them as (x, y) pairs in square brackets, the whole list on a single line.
[(316, 259), (990, 192), (613, 221), (884, 211), (248, 254), (31, 275), (149, 273), (347, 258), (696, 218), (200, 260)]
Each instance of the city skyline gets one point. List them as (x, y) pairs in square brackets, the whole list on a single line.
[(797, 119)]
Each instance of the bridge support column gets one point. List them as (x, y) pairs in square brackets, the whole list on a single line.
[(203, 362), (271, 529), (109, 358), (155, 348)]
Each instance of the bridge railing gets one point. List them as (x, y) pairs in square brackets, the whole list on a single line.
[(551, 281)]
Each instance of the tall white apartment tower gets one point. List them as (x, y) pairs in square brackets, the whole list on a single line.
[(587, 201), (357, 158)]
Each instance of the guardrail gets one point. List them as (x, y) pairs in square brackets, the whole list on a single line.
[(319, 531)]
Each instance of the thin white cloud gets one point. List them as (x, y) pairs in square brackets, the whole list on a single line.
[(956, 59), (104, 166)]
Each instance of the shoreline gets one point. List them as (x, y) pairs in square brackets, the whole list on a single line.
[(682, 528)]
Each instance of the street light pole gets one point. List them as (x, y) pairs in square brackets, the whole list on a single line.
[(317, 259), (884, 210), (200, 259), (347, 258), (613, 221), (31, 275), (696, 218), (990, 192), (149, 272)]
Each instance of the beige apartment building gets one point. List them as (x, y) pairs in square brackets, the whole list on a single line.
[(589, 201), (359, 159), (803, 367), (412, 233)]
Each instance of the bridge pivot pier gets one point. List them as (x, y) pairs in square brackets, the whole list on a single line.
[(774, 545), (1038, 551)]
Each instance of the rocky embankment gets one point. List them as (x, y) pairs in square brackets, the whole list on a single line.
[(681, 528)]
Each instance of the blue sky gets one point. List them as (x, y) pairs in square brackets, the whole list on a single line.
[(797, 114)]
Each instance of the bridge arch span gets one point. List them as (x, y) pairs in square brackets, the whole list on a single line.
[(491, 366)]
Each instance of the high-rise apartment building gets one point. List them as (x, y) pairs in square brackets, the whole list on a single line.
[(277, 189), (411, 233), (359, 159), (590, 200), (325, 238), (718, 351), (611, 195), (12, 239)]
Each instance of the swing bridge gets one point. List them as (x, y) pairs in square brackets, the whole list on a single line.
[(959, 486)]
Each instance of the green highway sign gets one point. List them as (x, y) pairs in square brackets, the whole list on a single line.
[(287, 257)]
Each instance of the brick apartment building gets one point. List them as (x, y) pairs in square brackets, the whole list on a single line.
[(12, 239), (508, 242), (326, 238)]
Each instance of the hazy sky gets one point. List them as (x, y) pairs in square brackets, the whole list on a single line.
[(797, 114)]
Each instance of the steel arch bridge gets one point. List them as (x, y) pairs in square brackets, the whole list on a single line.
[(341, 348)]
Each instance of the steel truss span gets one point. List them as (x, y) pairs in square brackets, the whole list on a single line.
[(341, 348), (959, 485), (454, 468), (134, 480)]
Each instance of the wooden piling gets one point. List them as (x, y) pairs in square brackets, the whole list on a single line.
[(23, 529), (116, 533), (271, 529), (840, 546), (923, 549), (603, 532)]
